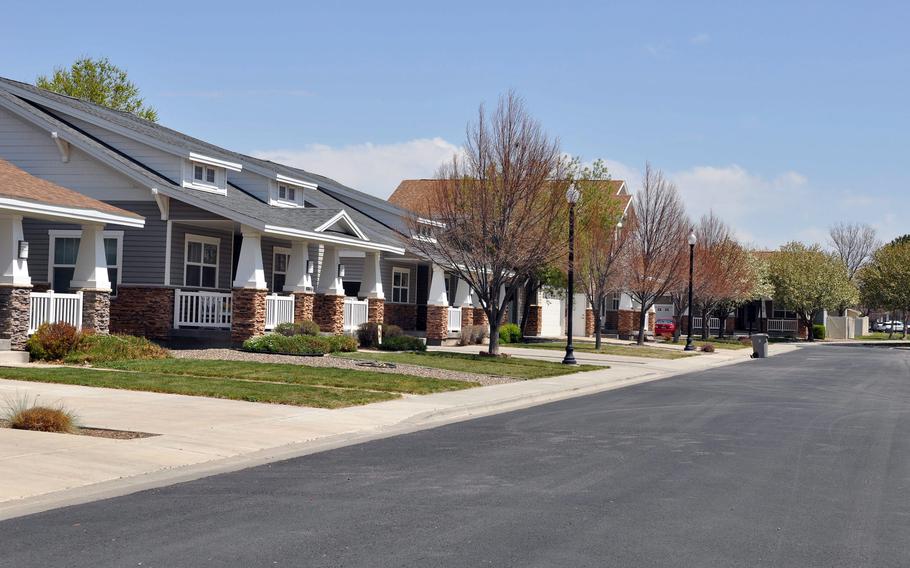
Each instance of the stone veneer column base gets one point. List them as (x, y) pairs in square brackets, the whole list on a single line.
[(247, 314), (376, 310), (589, 322), (144, 311), (303, 306), (437, 324), (627, 323), (96, 311), (328, 312), (534, 327), (467, 316), (14, 311), (480, 317)]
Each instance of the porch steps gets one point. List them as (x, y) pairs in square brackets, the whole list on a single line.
[(9, 357)]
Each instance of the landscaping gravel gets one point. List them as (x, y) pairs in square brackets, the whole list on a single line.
[(337, 362)]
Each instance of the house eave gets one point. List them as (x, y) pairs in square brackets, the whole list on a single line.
[(333, 239), (59, 212)]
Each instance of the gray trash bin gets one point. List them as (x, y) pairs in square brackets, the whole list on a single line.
[(759, 345)]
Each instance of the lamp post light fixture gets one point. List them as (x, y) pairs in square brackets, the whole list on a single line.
[(692, 240), (572, 197)]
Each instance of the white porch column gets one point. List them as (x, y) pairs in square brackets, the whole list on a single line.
[(91, 263), (438, 295), (329, 282), (502, 295), (372, 277), (463, 295), (297, 278), (15, 270), (250, 273)]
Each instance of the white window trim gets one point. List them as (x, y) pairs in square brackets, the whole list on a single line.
[(406, 272), (189, 238), (275, 252), (55, 234), (190, 182), (274, 199)]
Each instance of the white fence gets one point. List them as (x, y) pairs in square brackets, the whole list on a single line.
[(782, 325), (356, 312), (278, 309), (713, 323), (202, 309), (454, 319), (51, 307)]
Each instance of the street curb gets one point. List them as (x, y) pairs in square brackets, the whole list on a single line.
[(414, 423)]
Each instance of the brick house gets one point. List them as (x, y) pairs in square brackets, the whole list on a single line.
[(231, 245), (547, 313)]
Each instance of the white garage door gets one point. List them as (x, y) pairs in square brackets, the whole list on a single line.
[(551, 318)]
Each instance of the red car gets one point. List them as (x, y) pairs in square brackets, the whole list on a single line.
[(664, 327)]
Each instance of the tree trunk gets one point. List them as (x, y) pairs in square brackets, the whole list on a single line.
[(597, 330), (809, 335), (723, 325), (705, 327), (493, 347), (530, 292), (642, 314)]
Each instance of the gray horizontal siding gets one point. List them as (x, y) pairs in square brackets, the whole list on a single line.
[(179, 210), (385, 269), (143, 249), (268, 259), (33, 150)]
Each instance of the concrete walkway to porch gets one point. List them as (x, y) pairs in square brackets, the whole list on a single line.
[(203, 436)]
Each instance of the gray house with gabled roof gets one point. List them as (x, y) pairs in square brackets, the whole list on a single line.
[(231, 246)]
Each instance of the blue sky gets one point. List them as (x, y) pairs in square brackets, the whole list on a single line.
[(783, 117)]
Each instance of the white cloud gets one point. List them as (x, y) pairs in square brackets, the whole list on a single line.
[(700, 39), (373, 168)]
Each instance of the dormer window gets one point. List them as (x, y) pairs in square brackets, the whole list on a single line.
[(285, 194), (207, 174)]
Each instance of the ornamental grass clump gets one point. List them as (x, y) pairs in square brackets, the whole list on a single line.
[(23, 413), (96, 348)]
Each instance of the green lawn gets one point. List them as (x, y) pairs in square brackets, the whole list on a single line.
[(610, 349), (287, 384), (881, 336), (718, 343), (513, 367), (293, 374)]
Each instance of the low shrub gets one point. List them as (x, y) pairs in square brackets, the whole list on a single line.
[(95, 348), (299, 344), (708, 348), (305, 327), (368, 334), (25, 414), (510, 333), (472, 334), (819, 331), (53, 341), (403, 343)]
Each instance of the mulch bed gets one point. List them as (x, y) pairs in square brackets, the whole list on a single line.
[(99, 432)]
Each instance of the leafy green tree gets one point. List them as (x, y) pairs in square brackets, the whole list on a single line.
[(808, 280), (885, 281), (101, 82)]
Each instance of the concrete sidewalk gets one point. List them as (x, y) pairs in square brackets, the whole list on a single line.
[(203, 436)]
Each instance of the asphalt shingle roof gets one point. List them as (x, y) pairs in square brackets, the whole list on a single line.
[(380, 221)]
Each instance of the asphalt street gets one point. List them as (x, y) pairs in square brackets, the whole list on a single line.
[(798, 460)]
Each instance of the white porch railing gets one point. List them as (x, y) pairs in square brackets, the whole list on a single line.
[(202, 309), (278, 309), (356, 312), (454, 319), (713, 323), (783, 325), (51, 307)]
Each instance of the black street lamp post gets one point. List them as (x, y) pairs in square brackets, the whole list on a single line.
[(572, 196), (689, 346)]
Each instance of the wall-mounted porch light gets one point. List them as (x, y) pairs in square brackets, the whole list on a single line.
[(310, 267), (23, 250), (340, 271)]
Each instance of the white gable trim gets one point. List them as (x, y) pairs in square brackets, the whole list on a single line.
[(342, 216), (58, 212), (234, 167), (295, 181), (327, 238)]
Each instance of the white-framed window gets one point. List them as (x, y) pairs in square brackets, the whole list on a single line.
[(401, 285), (200, 264), (287, 194), (64, 249), (782, 313), (280, 259), (614, 301), (205, 177)]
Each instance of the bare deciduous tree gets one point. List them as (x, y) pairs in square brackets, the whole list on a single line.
[(657, 235), (854, 244), (601, 239), (498, 208)]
